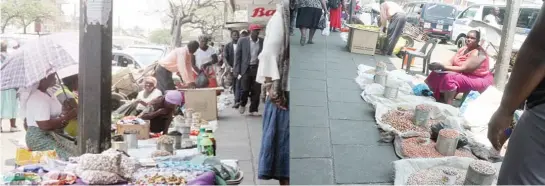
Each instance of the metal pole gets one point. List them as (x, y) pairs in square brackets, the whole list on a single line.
[(95, 76), (506, 44)]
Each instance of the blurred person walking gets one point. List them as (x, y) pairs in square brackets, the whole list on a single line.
[(309, 13), (229, 58), (336, 7), (246, 64), (8, 98)]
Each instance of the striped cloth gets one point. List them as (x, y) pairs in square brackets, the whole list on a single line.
[(33, 62)]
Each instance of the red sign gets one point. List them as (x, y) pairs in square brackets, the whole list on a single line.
[(260, 13)]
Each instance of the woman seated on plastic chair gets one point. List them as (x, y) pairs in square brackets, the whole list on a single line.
[(467, 70)]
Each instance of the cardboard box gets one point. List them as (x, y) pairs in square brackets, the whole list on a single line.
[(203, 100), (142, 131), (362, 41)]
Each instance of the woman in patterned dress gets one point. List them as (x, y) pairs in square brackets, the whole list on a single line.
[(8, 98), (309, 13)]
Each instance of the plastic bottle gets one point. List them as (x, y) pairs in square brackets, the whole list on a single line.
[(199, 139), (207, 146), (211, 137)]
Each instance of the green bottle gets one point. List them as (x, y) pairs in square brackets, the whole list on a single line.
[(211, 137), (207, 146), (202, 132)]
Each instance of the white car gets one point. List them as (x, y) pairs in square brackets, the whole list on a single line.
[(527, 16)]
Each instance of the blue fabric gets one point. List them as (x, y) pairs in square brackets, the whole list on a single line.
[(274, 155), (422, 90)]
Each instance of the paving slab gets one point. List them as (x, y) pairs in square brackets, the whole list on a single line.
[(311, 171), (335, 143), (309, 142)]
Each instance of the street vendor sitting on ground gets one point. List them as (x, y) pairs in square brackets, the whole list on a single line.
[(467, 70), (160, 110), (149, 93), (69, 101), (45, 114)]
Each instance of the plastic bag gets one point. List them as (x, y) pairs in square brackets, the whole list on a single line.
[(322, 24), (325, 31), (202, 80)]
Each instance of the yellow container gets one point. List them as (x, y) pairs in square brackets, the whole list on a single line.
[(24, 156)]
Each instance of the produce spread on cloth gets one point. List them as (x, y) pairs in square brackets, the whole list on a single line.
[(185, 156), (422, 129)]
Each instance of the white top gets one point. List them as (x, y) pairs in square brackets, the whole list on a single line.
[(154, 94), (272, 46), (44, 107), (491, 19), (202, 57)]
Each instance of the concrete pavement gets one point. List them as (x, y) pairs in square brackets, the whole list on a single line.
[(237, 136), (334, 138)]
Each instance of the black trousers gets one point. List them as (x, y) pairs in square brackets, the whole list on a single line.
[(250, 89), (395, 29), (236, 89), (164, 79)]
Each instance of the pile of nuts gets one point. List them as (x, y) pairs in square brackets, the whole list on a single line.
[(401, 120), (413, 148), (165, 139), (160, 153), (449, 133), (435, 175), (483, 167)]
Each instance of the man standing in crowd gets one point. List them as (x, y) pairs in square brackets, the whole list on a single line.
[(523, 163), (246, 63), (493, 18), (393, 13), (229, 58)]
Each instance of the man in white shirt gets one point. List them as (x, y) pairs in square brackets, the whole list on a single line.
[(229, 58), (393, 13), (493, 17)]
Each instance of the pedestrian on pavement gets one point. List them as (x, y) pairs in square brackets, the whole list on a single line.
[(229, 58), (46, 115), (309, 13), (246, 64), (161, 110), (8, 98), (177, 61), (467, 70), (393, 14), (244, 33), (273, 72), (293, 15), (205, 59), (336, 7), (523, 162)]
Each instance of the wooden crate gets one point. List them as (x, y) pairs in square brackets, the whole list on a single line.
[(203, 100)]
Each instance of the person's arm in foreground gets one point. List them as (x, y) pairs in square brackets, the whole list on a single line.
[(44, 120), (154, 114), (383, 17), (528, 72), (324, 6)]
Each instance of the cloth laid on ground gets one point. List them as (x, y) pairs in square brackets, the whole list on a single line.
[(404, 168)]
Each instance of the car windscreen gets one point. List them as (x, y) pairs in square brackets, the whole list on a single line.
[(439, 11), (145, 56)]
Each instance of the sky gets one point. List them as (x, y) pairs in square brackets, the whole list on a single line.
[(143, 13)]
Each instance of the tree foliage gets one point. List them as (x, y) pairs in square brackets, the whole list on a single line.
[(160, 36), (184, 12), (26, 12)]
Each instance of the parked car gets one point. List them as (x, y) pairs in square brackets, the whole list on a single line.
[(527, 16), (435, 19)]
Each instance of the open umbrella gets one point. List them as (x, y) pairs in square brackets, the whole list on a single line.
[(39, 58)]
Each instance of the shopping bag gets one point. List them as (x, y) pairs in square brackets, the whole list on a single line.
[(202, 80), (325, 32), (322, 24)]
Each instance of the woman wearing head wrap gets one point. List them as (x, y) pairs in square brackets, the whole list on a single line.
[(161, 109), (149, 93)]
